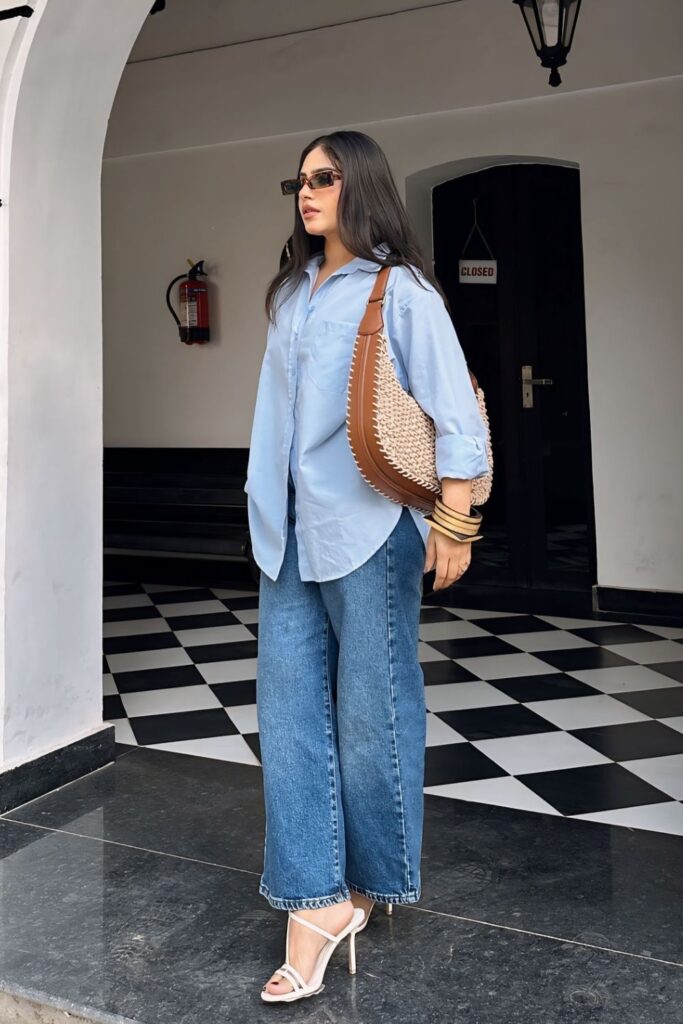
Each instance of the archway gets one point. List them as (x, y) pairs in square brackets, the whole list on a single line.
[(420, 185), (61, 68)]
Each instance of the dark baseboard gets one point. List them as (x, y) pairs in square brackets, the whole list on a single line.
[(182, 572), (50, 771), (527, 600), (664, 607)]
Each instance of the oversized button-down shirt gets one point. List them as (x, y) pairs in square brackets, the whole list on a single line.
[(299, 419)]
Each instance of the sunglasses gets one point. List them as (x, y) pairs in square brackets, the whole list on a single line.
[(320, 179)]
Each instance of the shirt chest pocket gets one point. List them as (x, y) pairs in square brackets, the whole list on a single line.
[(329, 355)]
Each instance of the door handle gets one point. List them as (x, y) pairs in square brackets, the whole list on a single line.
[(528, 382)]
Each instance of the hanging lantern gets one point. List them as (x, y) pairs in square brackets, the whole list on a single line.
[(551, 25)]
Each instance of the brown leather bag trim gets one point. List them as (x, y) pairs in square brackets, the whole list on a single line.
[(360, 428), (373, 465)]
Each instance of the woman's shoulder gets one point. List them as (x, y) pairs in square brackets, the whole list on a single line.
[(408, 285)]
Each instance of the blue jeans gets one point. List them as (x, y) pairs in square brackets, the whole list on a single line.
[(342, 722)]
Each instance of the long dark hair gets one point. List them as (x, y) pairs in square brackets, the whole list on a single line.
[(370, 213)]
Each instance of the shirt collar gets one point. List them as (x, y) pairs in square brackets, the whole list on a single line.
[(357, 263)]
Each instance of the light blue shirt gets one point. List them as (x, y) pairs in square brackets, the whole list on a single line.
[(300, 417)]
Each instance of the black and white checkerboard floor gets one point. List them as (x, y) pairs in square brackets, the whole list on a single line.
[(562, 716)]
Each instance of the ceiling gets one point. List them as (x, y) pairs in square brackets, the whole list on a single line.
[(190, 25)]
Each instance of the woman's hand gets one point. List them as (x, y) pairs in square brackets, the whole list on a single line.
[(451, 558)]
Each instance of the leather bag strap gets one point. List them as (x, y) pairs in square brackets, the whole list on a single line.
[(373, 322)]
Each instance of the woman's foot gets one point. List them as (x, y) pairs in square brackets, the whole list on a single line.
[(305, 944), (364, 902)]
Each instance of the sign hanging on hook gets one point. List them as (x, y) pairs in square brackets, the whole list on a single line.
[(477, 271)]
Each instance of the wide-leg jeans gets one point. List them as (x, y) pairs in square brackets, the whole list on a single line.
[(342, 721)]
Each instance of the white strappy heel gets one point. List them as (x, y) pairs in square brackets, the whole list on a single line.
[(301, 988)]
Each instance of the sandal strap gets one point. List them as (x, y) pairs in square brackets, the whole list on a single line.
[(291, 974), (315, 927)]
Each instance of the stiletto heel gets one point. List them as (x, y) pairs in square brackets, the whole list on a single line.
[(301, 988), (388, 909), (352, 953)]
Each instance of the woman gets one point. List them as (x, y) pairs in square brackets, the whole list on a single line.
[(339, 689)]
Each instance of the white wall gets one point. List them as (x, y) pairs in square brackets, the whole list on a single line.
[(197, 145), (59, 76), (467, 54)]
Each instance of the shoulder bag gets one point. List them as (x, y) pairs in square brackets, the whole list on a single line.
[(391, 437)]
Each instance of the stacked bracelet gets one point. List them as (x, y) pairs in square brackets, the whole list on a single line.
[(454, 523)]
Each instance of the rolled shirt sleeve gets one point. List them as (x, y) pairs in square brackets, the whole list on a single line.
[(439, 380)]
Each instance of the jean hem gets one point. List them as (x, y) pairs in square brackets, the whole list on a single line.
[(306, 902), (409, 896)]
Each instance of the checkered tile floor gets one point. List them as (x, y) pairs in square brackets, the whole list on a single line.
[(562, 716)]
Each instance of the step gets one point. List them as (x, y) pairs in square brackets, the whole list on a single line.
[(25, 1006)]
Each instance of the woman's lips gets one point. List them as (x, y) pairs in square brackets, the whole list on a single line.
[(310, 212)]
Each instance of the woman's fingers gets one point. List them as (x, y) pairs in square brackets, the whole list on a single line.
[(452, 558)]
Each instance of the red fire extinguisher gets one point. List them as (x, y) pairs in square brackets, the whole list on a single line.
[(193, 322)]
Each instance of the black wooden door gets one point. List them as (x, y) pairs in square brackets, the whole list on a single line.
[(538, 522)]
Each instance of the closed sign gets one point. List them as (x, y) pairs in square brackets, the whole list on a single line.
[(478, 271)]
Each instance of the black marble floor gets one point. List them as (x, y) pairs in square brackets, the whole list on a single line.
[(131, 896)]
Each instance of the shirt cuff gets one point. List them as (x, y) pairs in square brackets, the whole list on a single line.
[(462, 456)]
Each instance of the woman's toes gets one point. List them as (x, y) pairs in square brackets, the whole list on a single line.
[(278, 985), (305, 946)]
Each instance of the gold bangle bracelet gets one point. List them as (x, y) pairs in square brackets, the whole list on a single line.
[(460, 531), (438, 511), (457, 523), (460, 525), (451, 533), (456, 514), (440, 500)]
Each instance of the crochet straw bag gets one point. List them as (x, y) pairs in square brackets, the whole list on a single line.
[(391, 437)]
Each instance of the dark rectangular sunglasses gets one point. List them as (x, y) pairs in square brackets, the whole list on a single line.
[(321, 179)]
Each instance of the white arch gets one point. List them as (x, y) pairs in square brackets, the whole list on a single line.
[(419, 186), (60, 71)]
